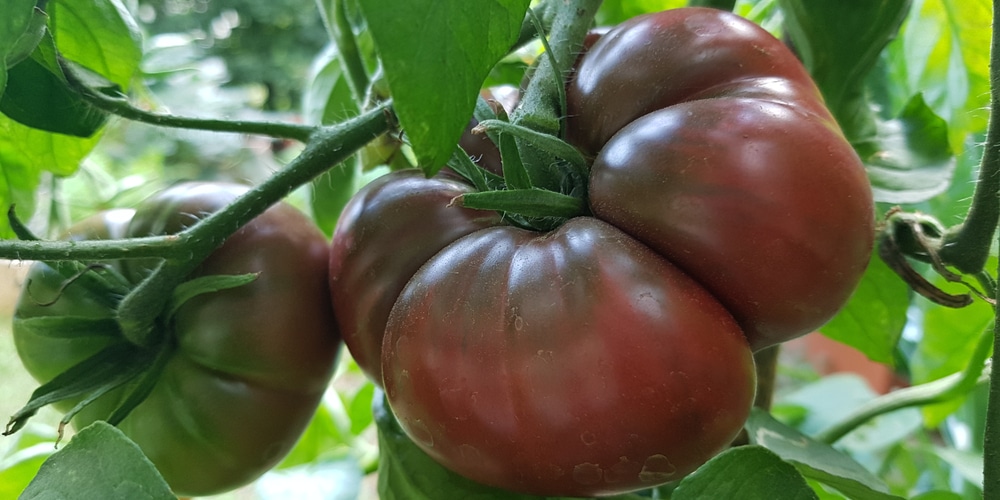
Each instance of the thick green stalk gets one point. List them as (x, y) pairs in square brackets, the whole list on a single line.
[(968, 246), (140, 309), (570, 20), (170, 246), (977, 233)]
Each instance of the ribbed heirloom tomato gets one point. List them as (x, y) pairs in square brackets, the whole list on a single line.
[(614, 352), (247, 365)]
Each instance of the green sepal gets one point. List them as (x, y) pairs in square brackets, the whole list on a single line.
[(206, 284), (145, 385), (66, 327), (110, 368), (29, 39), (480, 178), (525, 202), (548, 143)]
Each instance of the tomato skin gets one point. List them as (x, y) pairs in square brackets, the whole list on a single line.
[(657, 60), (577, 362), (385, 233), (250, 363), (729, 165)]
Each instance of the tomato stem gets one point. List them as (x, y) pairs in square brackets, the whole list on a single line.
[(973, 242), (120, 106), (937, 391), (139, 309)]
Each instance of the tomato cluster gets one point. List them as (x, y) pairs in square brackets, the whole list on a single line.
[(613, 353), (247, 365)]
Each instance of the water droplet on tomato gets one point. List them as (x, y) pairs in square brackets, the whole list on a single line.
[(657, 469)]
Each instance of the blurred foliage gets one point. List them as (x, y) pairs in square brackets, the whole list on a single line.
[(264, 42)]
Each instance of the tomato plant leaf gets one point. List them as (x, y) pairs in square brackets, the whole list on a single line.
[(841, 54), (99, 462), (940, 52), (910, 159), (96, 34), (21, 455), (873, 319), (328, 99), (746, 472), (20, 30), (38, 96), (436, 55), (815, 460)]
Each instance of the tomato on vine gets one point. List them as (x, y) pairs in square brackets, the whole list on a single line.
[(238, 372)]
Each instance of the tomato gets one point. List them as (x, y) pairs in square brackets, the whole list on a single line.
[(714, 148), (379, 243), (614, 353), (249, 364)]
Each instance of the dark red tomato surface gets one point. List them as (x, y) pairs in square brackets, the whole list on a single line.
[(250, 364), (577, 362), (385, 233), (714, 148)]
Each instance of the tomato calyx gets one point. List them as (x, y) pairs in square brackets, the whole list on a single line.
[(121, 364)]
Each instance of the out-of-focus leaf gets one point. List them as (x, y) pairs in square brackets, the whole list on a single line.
[(97, 34), (328, 99), (21, 28), (99, 462), (909, 160), (839, 42), (612, 13), (943, 53), (833, 397), (949, 340), (746, 472), (815, 460), (22, 455), (436, 55), (873, 319)]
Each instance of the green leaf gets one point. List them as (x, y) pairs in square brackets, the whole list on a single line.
[(910, 159), (99, 35), (815, 460), (22, 456), (38, 96), (942, 53), (967, 464), (407, 473), (748, 473), (839, 43), (612, 13), (873, 319), (436, 55), (20, 31), (326, 100), (99, 462)]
